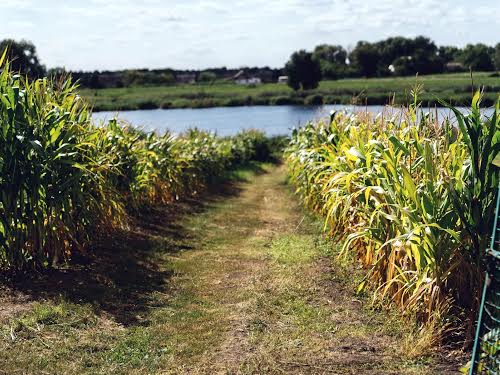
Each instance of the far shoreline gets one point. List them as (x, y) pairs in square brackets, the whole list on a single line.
[(454, 88), (487, 102)]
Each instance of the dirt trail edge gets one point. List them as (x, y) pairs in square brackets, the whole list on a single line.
[(250, 288)]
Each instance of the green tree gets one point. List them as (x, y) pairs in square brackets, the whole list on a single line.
[(332, 60), (478, 57), (421, 62), (23, 57), (94, 81), (207, 76), (425, 56), (497, 56), (165, 79), (408, 56), (365, 57), (144, 77), (391, 49), (303, 71), (448, 53)]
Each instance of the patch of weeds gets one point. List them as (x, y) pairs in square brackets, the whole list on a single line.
[(62, 316), (297, 248), (186, 315), (305, 316), (258, 325), (136, 349)]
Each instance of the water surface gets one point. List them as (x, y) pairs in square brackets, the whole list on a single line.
[(273, 120)]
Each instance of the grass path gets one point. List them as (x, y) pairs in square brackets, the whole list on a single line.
[(247, 285)]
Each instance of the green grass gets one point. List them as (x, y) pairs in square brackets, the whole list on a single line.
[(454, 87)]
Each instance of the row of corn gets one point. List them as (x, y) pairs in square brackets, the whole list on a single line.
[(62, 178), (412, 197)]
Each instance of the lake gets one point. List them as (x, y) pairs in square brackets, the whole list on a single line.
[(273, 120)]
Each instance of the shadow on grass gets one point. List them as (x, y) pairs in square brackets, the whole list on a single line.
[(124, 269)]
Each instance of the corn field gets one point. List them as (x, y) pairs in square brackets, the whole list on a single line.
[(62, 177), (412, 198)]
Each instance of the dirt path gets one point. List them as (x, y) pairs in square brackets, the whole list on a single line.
[(251, 289)]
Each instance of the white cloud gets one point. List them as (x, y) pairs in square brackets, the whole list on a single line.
[(112, 34)]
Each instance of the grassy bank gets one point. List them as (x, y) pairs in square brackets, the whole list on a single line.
[(455, 88)]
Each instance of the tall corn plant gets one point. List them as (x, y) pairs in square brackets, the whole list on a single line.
[(394, 188), (51, 190), (473, 194)]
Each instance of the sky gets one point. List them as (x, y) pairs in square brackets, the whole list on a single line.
[(197, 34)]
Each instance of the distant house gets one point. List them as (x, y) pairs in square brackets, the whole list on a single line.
[(282, 79), (242, 78)]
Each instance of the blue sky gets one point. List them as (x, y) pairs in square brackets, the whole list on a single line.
[(115, 34)]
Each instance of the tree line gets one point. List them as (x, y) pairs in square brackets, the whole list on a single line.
[(395, 56), (24, 59)]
